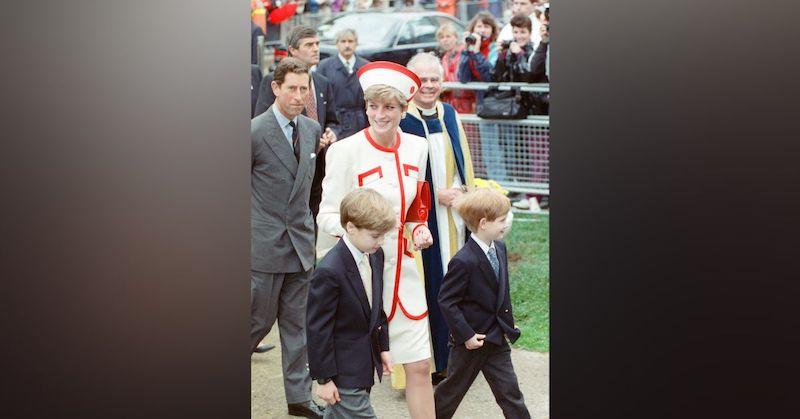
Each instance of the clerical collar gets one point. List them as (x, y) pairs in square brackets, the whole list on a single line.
[(428, 113)]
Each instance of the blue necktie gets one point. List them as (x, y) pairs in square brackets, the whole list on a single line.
[(492, 253)]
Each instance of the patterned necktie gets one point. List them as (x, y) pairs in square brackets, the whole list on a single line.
[(311, 105), (295, 140), (492, 253), (366, 277)]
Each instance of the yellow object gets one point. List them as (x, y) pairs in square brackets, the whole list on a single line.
[(398, 377), (489, 184)]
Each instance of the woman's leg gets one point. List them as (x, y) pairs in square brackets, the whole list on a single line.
[(419, 391)]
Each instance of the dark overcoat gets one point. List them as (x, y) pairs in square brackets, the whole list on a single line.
[(348, 97)]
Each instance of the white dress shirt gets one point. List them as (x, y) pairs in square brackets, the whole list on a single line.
[(362, 262), (348, 64), (283, 122), (485, 247)]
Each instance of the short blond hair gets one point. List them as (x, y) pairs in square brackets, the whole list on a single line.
[(481, 203), (446, 29), (384, 93), (367, 209)]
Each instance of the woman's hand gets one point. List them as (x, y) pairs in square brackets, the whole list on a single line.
[(422, 237)]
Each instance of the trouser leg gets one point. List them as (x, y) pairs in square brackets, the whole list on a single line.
[(463, 366), (354, 404), (492, 151), (265, 290), (499, 373), (292, 324)]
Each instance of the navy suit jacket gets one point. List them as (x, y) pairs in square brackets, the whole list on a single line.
[(345, 336), (351, 111), (473, 300)]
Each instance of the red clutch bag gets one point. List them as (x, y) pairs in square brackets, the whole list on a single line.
[(418, 211)]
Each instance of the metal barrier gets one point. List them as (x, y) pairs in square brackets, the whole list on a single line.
[(523, 87), (515, 153)]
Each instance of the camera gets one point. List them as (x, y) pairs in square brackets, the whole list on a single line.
[(506, 44), (471, 39)]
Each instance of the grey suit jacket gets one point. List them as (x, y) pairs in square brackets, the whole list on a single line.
[(281, 225)]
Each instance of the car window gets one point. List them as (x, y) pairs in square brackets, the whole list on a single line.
[(373, 29), (406, 35), (425, 30), (420, 30)]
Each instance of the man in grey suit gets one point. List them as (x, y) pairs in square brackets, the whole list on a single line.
[(284, 143)]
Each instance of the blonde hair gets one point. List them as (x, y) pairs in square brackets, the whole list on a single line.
[(367, 209), (481, 203), (384, 93), (446, 29)]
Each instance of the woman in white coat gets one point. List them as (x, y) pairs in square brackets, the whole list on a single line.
[(393, 163)]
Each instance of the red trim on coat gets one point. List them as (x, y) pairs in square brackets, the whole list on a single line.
[(401, 248), (407, 168), (405, 247), (382, 148), (361, 176), (401, 242), (412, 317), (397, 270)]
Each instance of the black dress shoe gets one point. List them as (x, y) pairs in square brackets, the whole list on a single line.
[(308, 409), (260, 349)]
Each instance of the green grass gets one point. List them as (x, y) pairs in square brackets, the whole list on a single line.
[(528, 246)]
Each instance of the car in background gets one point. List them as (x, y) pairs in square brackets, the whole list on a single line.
[(387, 35)]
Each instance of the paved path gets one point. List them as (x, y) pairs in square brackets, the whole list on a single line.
[(532, 368)]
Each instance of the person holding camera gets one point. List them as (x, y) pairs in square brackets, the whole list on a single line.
[(480, 52), (540, 66), (514, 61), (477, 63), (533, 9), (514, 65)]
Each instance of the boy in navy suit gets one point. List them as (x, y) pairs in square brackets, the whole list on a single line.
[(476, 304), (347, 331)]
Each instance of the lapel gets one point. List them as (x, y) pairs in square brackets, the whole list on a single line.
[(483, 263), (343, 68), (377, 289), (353, 277), (502, 282), (305, 152), (275, 139), (319, 86)]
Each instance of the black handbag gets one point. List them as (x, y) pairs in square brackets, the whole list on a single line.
[(506, 104)]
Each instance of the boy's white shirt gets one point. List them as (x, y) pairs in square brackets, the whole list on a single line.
[(357, 254), (485, 247)]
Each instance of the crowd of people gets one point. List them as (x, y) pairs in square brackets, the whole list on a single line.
[(411, 274)]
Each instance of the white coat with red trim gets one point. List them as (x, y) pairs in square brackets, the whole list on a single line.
[(359, 162)]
